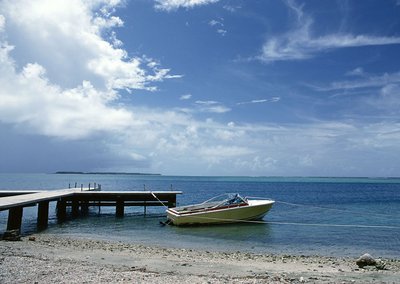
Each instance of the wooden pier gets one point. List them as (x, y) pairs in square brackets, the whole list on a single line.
[(79, 200)]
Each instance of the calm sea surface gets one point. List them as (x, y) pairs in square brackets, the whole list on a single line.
[(324, 216)]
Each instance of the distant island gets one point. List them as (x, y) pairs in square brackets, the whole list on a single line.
[(104, 173)]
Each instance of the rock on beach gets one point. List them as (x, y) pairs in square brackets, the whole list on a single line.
[(366, 260), (12, 235)]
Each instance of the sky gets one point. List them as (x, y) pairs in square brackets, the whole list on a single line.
[(201, 87)]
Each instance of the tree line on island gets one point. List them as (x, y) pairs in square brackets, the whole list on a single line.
[(103, 173)]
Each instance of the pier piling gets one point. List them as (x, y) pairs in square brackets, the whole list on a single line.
[(43, 215), (120, 208), (79, 200), (75, 208), (14, 218), (61, 210)]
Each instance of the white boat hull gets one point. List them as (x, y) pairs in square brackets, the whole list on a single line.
[(254, 211)]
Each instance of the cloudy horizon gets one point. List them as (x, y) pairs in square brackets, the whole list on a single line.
[(200, 87)]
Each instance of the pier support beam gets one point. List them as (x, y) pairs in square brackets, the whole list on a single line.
[(43, 215), (14, 218), (120, 208)]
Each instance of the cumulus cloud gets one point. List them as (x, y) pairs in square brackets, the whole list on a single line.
[(68, 38), (300, 43), (171, 5), (29, 99), (272, 149), (65, 84)]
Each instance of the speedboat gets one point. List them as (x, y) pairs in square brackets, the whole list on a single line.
[(227, 208)]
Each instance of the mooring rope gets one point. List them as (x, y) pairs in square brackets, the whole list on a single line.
[(158, 199), (325, 208), (297, 223)]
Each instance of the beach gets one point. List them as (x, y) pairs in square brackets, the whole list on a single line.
[(50, 258)]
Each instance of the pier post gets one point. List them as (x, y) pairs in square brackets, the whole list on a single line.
[(43, 215), (85, 207), (172, 201), (120, 207), (61, 210), (75, 207), (14, 218)]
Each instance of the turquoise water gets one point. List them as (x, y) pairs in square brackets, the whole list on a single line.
[(324, 216)]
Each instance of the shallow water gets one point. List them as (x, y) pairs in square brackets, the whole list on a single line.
[(324, 216)]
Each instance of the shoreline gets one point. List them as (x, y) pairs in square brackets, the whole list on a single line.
[(46, 258)]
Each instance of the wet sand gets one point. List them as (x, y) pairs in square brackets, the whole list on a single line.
[(54, 258)]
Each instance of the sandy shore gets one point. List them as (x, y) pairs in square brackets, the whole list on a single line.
[(53, 258)]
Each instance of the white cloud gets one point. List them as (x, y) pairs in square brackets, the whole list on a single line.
[(230, 134), (356, 72), (215, 23), (388, 100), (222, 32), (218, 24), (299, 43), (374, 95), (212, 106), (365, 82), (217, 154), (59, 76), (207, 102), (231, 8), (2, 23), (29, 100), (137, 157), (68, 39), (185, 97), (321, 148), (260, 101), (171, 5)]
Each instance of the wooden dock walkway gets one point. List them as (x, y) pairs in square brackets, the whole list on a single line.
[(79, 200), (31, 199)]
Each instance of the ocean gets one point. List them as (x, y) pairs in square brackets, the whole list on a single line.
[(312, 216)]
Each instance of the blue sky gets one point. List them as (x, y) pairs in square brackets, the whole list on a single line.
[(201, 87)]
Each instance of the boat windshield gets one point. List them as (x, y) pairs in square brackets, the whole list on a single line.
[(226, 200)]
